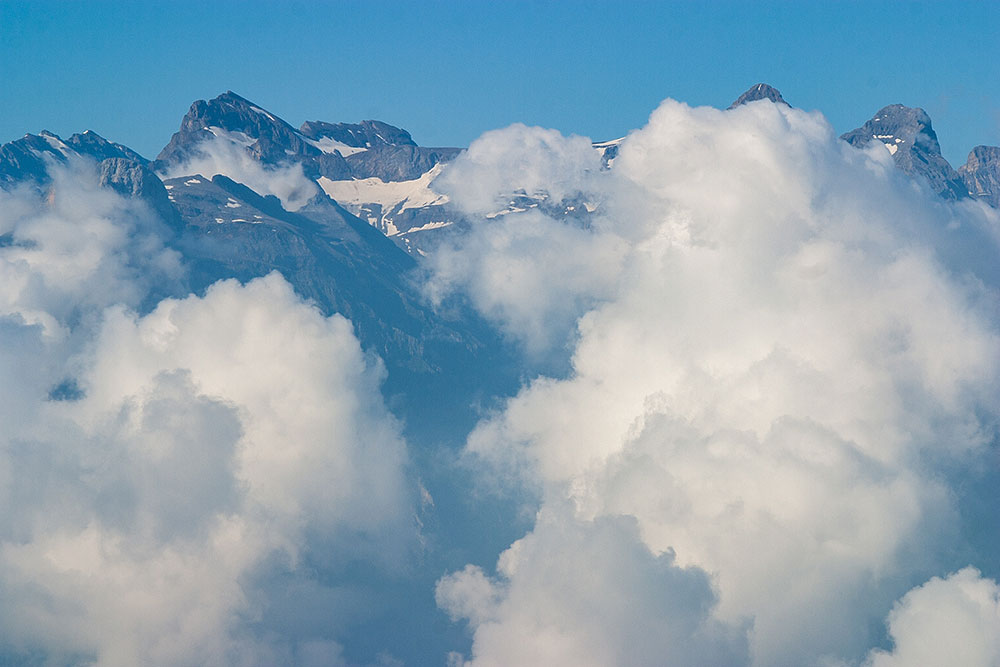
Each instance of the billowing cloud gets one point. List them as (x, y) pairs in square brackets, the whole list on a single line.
[(72, 247), (589, 593), (226, 154), (950, 621), (786, 360), (530, 273), (173, 477), (519, 160)]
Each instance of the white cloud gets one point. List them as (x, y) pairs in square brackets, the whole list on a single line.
[(75, 247), (950, 621), (785, 354), (227, 156), (217, 454), (589, 593), (531, 274), (517, 160)]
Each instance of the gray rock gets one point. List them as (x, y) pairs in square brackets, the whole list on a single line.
[(366, 134), (760, 91), (135, 180), (274, 140), (346, 266), (981, 174), (907, 133), (92, 144), (28, 158), (398, 163), (386, 152)]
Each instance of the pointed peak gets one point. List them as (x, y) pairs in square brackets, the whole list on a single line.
[(760, 91), (897, 124), (907, 134), (92, 144), (229, 97), (902, 113), (270, 138)]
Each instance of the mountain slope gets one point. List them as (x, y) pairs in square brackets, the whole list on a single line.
[(907, 134), (981, 174)]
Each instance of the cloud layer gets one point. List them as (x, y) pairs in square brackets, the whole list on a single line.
[(785, 361)]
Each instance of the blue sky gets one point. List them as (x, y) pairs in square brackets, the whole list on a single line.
[(447, 71)]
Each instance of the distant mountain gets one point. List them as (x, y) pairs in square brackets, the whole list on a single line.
[(229, 116), (981, 174), (27, 158), (375, 170), (760, 91), (224, 229), (351, 246), (907, 134)]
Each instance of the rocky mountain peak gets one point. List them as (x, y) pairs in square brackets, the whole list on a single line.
[(909, 137), (897, 125), (365, 134), (981, 174), (760, 91), (266, 136)]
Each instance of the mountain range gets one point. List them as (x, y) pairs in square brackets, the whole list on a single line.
[(351, 214), (362, 208)]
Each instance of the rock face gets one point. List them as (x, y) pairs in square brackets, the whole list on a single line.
[(134, 179), (760, 91), (907, 134), (265, 136), (366, 134), (350, 248), (981, 174), (334, 154), (27, 158)]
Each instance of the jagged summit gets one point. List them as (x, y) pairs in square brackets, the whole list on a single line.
[(365, 134), (908, 135), (92, 144), (27, 158), (266, 136), (897, 125), (981, 174), (760, 91)]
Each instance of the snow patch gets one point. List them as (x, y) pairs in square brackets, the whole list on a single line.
[(329, 145), (261, 111), (430, 225), (394, 197)]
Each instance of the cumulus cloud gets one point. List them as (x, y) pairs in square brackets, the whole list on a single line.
[(589, 593), (529, 272), (950, 621), (171, 475), (518, 160), (225, 154), (783, 362), (73, 246)]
